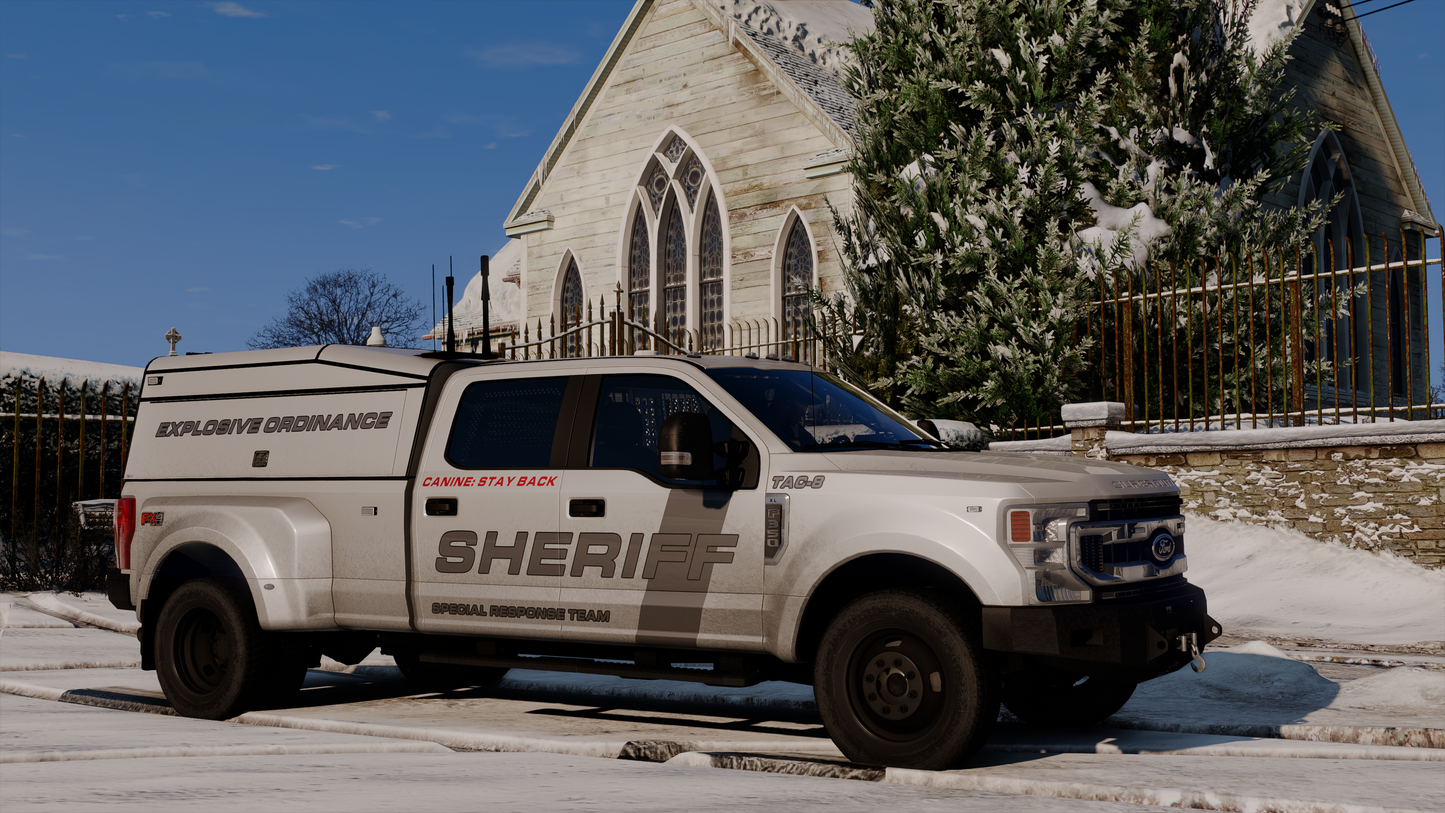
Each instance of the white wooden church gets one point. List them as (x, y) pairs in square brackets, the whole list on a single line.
[(691, 180)]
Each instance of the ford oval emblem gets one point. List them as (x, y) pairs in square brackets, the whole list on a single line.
[(1162, 546)]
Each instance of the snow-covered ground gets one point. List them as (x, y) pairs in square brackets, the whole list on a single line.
[(1277, 581), (1258, 730)]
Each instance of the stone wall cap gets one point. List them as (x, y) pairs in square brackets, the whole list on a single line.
[(1291, 437), (1059, 445), (1097, 413)]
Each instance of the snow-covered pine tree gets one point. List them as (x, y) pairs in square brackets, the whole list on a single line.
[(968, 188), (1011, 153), (1197, 131)]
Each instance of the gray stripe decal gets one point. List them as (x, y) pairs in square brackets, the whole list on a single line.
[(671, 613)]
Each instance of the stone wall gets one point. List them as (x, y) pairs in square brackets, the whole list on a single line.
[(1377, 497), (1374, 486)]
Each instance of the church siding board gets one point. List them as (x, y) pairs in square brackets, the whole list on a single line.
[(680, 71), (599, 174), (1330, 80), (730, 95)]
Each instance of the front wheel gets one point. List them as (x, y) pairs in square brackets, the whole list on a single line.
[(902, 680), (212, 657), (1059, 699)]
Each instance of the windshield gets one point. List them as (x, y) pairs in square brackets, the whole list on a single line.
[(812, 411)]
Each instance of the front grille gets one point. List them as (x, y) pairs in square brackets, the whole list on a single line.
[(1095, 554), (1161, 505)]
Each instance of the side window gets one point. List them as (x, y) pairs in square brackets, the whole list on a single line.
[(506, 424), (632, 408)]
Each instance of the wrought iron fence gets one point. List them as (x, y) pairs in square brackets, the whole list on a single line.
[(1282, 338), (1277, 339), (610, 332), (67, 441)]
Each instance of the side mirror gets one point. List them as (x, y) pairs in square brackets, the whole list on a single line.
[(959, 435), (684, 447)]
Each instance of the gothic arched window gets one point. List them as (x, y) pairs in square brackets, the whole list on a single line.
[(677, 231), (674, 269), (797, 278), (639, 271), (1338, 246), (571, 308), (710, 278)]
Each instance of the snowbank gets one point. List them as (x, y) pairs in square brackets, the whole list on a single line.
[(1397, 689), (54, 368), (1280, 582)]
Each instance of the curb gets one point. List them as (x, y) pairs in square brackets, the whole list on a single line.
[(88, 697), (222, 751), (1355, 735), (796, 759), (77, 616), (1162, 797)]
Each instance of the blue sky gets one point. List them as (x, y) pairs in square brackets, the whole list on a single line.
[(188, 163)]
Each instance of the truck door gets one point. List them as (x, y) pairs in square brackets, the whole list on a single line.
[(487, 555), (658, 561)]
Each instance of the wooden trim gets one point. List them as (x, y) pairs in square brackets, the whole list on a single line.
[(1385, 115)]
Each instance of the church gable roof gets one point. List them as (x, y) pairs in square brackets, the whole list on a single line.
[(799, 44), (1275, 19), (801, 54)]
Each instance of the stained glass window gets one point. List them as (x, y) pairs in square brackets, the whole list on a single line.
[(656, 187), (571, 309), (710, 277), (639, 271), (692, 180), (676, 243), (674, 253), (675, 148), (797, 277)]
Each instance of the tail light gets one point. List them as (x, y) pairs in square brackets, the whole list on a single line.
[(124, 530)]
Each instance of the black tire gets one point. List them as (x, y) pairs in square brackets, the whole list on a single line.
[(212, 657), (940, 695), (1058, 699), (447, 675)]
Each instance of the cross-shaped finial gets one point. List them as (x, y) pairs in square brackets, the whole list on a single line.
[(173, 336)]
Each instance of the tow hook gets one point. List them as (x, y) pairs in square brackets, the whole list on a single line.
[(1189, 643)]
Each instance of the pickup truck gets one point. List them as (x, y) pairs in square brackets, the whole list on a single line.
[(718, 519)]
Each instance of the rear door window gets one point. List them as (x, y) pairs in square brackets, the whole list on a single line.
[(506, 424)]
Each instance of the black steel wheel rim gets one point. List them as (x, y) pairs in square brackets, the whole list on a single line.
[(203, 651), (896, 685)]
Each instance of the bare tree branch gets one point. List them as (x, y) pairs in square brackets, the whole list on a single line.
[(340, 307)]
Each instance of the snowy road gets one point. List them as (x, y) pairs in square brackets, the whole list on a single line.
[(82, 727)]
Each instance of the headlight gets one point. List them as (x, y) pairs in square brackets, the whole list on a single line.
[(1038, 536)]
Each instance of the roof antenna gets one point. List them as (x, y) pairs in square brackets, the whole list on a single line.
[(433, 306), (451, 332), (486, 309)]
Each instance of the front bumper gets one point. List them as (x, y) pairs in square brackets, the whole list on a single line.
[(1135, 638)]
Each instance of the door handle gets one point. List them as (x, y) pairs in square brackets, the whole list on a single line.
[(441, 506), (587, 508)]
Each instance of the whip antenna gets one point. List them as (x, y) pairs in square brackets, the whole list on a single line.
[(486, 309)]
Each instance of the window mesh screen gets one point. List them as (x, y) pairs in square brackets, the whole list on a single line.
[(506, 424)]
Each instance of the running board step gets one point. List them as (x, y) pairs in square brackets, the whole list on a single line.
[(627, 670)]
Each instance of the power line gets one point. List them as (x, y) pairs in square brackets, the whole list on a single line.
[(1378, 10)]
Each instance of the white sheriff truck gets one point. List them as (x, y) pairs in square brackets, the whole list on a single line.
[(645, 516)]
